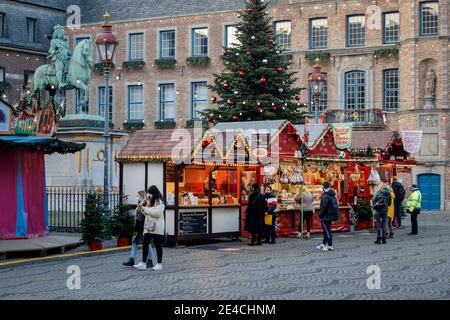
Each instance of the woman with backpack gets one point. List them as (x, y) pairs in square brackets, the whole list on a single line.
[(329, 212), (153, 227), (381, 202)]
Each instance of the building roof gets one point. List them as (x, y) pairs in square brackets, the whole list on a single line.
[(48, 145), (155, 144), (378, 140), (247, 127), (92, 11), (315, 132)]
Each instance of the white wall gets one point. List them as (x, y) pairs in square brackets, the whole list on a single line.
[(133, 180), (156, 175)]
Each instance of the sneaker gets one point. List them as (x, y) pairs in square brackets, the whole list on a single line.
[(129, 263), (141, 266), (321, 246), (412, 234), (327, 248), (158, 267)]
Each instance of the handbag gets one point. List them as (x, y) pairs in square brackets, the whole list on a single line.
[(150, 225), (268, 219)]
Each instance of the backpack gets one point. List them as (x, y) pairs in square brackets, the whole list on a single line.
[(401, 193)]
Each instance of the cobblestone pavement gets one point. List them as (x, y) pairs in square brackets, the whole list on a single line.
[(411, 268)]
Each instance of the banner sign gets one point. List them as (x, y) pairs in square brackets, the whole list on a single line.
[(342, 135), (412, 140)]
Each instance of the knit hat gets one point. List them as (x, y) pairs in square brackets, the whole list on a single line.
[(326, 185), (414, 186)]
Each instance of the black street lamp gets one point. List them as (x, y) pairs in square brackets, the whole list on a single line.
[(106, 43), (317, 81)]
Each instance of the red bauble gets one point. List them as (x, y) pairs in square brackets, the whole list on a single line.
[(231, 103), (270, 29), (226, 86), (248, 53), (261, 109), (274, 109), (214, 99), (225, 52), (270, 41), (210, 119), (262, 80), (280, 70), (241, 74), (235, 118), (249, 9), (298, 98)]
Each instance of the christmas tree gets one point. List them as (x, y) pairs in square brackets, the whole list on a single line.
[(256, 83)]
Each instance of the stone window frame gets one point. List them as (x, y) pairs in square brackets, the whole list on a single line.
[(131, 33), (160, 48), (311, 34), (387, 34), (286, 41), (193, 40), (388, 92), (3, 25), (226, 33), (135, 85), (161, 102), (194, 99), (365, 105), (102, 105), (35, 31)]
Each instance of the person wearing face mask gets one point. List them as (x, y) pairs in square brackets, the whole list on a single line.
[(272, 204), (138, 235)]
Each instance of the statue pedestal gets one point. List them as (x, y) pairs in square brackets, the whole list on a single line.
[(429, 103)]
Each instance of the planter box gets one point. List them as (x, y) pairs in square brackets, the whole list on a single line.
[(96, 246), (123, 242)]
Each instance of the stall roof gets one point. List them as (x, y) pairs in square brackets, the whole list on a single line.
[(48, 145), (315, 132), (242, 126), (378, 140), (154, 144)]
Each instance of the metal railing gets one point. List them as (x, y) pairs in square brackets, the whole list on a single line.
[(375, 117), (66, 206)]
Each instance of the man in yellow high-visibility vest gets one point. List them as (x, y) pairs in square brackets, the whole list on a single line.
[(413, 206)]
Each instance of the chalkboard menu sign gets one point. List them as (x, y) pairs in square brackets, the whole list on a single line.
[(193, 222)]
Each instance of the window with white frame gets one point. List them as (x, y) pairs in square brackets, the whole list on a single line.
[(31, 29), (283, 34), (167, 44), (391, 27), (135, 103), (429, 18), (318, 33), (356, 31), (199, 42), (135, 46), (391, 89), (199, 94), (231, 39), (102, 102), (355, 90), (322, 102), (2, 25), (167, 101)]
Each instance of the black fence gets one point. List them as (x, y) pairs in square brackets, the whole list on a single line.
[(66, 206)]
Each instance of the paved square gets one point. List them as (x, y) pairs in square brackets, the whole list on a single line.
[(411, 268)]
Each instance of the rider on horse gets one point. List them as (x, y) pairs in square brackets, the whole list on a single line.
[(60, 54)]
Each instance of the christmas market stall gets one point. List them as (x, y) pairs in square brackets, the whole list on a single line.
[(25, 137), (201, 197), (326, 158), (272, 158)]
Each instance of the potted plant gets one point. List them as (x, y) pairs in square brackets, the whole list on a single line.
[(122, 224), (93, 226), (363, 212)]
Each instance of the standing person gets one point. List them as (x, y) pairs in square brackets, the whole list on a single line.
[(308, 209), (329, 212), (399, 192), (256, 210), (138, 236), (153, 227), (272, 203), (413, 206), (381, 202), (391, 215)]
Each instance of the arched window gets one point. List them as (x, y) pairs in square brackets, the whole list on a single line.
[(355, 90)]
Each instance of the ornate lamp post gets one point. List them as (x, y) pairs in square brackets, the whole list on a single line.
[(106, 43), (317, 81)]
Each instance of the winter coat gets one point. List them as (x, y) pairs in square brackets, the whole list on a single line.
[(399, 190), (272, 203), (329, 208), (414, 202), (383, 195), (154, 214), (255, 212)]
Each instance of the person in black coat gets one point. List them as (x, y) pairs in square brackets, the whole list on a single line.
[(399, 192), (329, 212), (255, 214)]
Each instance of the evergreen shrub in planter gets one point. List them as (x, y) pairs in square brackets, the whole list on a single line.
[(165, 124), (121, 224), (198, 61), (166, 63), (93, 226), (133, 65)]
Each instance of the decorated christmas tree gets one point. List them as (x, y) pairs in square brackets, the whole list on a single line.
[(256, 83)]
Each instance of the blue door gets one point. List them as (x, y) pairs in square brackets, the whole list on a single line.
[(430, 187)]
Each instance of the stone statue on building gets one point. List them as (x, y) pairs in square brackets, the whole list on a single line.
[(430, 89), (68, 70)]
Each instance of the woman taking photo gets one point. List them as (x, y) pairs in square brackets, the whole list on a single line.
[(153, 227)]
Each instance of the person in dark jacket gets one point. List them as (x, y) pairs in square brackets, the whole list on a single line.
[(399, 192), (329, 212), (381, 202), (255, 214), (272, 204)]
